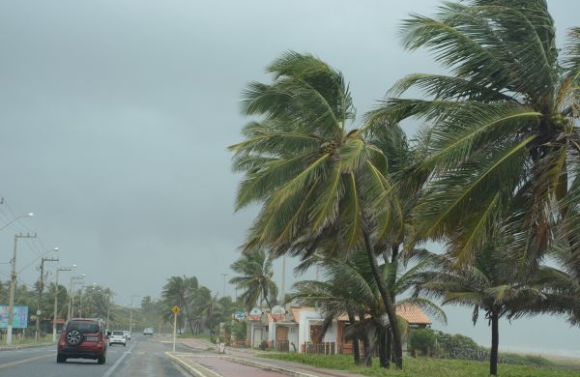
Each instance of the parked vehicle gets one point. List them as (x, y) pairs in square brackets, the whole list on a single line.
[(82, 338), (148, 331)]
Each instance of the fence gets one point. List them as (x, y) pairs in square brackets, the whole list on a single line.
[(323, 348)]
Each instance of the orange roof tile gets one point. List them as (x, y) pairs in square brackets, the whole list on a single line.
[(409, 312), (413, 314)]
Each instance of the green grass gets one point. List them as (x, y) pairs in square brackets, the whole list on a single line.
[(18, 341), (421, 367)]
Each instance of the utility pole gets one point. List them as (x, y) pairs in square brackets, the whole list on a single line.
[(40, 289), (131, 314), (56, 289), (224, 292), (80, 279), (13, 277)]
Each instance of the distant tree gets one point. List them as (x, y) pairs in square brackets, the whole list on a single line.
[(180, 291), (255, 278)]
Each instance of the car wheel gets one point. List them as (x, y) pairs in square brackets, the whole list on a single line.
[(101, 360), (60, 359), (74, 338)]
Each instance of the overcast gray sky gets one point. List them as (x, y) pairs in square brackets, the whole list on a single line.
[(116, 114)]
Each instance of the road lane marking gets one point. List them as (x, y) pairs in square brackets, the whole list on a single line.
[(116, 365)]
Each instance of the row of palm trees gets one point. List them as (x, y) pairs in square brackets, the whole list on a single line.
[(204, 310), (492, 174)]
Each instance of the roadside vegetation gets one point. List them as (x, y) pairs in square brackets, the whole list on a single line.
[(422, 366)]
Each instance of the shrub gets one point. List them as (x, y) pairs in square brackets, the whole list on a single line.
[(422, 340), (458, 347)]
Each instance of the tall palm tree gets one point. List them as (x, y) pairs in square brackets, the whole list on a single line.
[(255, 278), (179, 291), (317, 181), (503, 130), (492, 284)]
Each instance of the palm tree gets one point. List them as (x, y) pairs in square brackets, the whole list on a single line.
[(350, 288), (255, 278), (503, 136), (318, 183), (179, 291), (492, 283), (560, 282), (207, 308)]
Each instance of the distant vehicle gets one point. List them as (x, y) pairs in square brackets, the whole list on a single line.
[(127, 334), (118, 337), (148, 331), (82, 338)]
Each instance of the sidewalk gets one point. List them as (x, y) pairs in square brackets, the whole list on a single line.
[(232, 362)]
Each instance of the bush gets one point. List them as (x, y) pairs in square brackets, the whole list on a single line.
[(458, 347), (422, 340)]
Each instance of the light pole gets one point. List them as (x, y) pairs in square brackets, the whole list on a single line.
[(108, 307), (81, 300), (16, 219), (56, 299), (224, 292), (40, 289), (73, 279), (131, 314), (13, 277)]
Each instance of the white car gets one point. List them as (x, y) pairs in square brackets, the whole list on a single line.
[(118, 337), (148, 331), (127, 334)]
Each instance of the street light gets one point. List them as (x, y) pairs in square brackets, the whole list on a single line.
[(16, 219), (224, 275), (73, 279), (131, 314), (56, 299), (13, 277), (40, 289), (108, 306)]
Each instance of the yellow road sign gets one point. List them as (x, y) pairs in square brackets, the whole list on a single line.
[(176, 309)]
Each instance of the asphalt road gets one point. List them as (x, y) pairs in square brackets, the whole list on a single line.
[(142, 357)]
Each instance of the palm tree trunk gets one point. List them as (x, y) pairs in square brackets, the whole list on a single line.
[(386, 296), (494, 344), (384, 356), (389, 349), (355, 341), (369, 349)]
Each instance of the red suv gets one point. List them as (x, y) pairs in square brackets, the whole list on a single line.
[(84, 338)]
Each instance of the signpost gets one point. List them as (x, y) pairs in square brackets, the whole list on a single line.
[(176, 310)]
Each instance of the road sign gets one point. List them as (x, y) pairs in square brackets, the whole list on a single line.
[(176, 309)]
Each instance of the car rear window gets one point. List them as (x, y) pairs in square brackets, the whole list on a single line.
[(83, 327), (118, 333)]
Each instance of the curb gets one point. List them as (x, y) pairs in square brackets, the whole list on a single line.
[(197, 371), (268, 367)]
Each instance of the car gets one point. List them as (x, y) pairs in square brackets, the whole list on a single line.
[(82, 338), (127, 334), (148, 331), (118, 337)]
